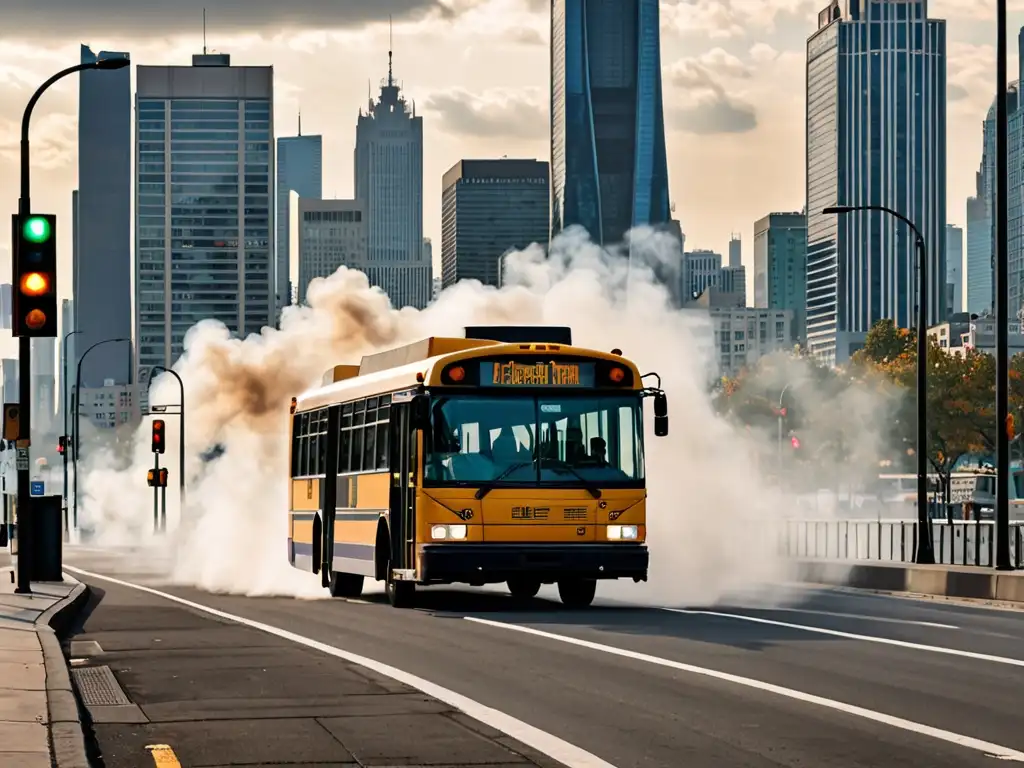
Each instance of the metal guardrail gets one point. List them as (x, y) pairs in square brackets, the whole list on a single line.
[(960, 542)]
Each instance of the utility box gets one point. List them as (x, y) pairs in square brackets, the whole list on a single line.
[(47, 539)]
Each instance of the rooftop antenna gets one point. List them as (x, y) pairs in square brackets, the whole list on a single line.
[(391, 46), (204, 31), (300, 121)]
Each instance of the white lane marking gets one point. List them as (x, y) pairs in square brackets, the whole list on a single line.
[(546, 743), (988, 748), (864, 617), (853, 636)]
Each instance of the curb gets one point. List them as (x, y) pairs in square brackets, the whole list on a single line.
[(936, 580), (66, 737)]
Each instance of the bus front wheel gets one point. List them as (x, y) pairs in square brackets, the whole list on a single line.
[(401, 594), (577, 593), (523, 589)]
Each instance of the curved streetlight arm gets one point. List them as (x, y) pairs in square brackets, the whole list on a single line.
[(78, 404), (181, 435), (26, 118), (882, 208)]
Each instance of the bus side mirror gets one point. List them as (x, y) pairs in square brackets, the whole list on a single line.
[(660, 414), (421, 412)]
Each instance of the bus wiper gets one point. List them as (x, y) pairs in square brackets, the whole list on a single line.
[(593, 490), (483, 490)]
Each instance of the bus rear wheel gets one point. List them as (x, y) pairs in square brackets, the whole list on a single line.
[(401, 594), (577, 593), (523, 589), (346, 585)]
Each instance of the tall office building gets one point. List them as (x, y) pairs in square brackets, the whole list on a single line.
[(204, 202), (102, 271), (389, 185), (780, 265), (979, 256), (299, 169), (954, 269), (701, 269), (330, 234), (876, 135), (490, 207), (66, 357), (609, 171), (735, 251)]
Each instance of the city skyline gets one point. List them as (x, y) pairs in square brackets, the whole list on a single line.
[(717, 68)]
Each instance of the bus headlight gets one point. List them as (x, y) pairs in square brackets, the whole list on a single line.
[(622, 532), (448, 531)]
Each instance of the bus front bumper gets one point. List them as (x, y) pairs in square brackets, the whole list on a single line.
[(492, 563)]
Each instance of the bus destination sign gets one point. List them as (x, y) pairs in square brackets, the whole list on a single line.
[(547, 374)]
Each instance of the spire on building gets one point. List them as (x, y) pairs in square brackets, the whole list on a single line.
[(300, 122), (391, 47)]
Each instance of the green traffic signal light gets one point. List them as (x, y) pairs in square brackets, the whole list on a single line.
[(36, 229)]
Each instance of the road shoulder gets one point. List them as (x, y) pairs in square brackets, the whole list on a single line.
[(211, 692)]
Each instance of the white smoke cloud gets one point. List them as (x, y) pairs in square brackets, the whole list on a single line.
[(711, 512)]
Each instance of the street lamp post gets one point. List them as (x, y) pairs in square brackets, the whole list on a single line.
[(779, 415), (24, 342), (1002, 510), (65, 408), (925, 552), (181, 435), (78, 403)]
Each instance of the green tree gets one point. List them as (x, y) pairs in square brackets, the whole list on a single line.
[(885, 342)]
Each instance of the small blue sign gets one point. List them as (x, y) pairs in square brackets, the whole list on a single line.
[(37, 488)]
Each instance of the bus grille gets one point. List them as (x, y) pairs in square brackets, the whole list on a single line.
[(575, 514)]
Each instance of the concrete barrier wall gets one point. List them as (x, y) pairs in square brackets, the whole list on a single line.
[(940, 580)]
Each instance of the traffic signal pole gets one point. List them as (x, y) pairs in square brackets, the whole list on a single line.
[(25, 341)]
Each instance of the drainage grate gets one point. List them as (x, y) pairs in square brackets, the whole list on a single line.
[(98, 687)]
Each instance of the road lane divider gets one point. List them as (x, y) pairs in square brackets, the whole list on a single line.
[(163, 756), (986, 747), (546, 743), (854, 636), (864, 617)]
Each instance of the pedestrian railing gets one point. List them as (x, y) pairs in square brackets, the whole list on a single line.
[(957, 542)]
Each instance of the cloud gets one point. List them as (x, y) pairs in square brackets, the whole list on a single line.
[(54, 136), (970, 77), (496, 113), (707, 107), (720, 19), (158, 19)]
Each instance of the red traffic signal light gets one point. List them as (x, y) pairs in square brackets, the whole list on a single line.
[(34, 296), (158, 435), (62, 442), (794, 441)]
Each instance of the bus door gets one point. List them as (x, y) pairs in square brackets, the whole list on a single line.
[(328, 458), (402, 439)]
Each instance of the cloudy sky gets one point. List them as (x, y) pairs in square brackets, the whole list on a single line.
[(478, 72)]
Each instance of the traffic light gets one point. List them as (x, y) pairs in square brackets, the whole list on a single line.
[(1010, 431), (157, 478), (794, 441), (34, 289), (62, 443), (158, 435)]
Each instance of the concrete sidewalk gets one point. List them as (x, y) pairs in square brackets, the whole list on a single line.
[(39, 720), (939, 580)]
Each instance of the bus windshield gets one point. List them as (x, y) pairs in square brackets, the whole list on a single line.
[(521, 440)]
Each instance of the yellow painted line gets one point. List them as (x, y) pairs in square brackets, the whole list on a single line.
[(163, 756)]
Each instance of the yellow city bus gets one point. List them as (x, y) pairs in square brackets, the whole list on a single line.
[(505, 456)]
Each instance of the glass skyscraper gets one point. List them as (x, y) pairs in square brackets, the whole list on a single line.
[(876, 135), (299, 169), (204, 202), (102, 269), (609, 170)]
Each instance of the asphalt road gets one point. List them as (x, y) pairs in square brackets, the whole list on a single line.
[(856, 680)]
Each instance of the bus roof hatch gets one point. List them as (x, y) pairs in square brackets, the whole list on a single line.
[(521, 334)]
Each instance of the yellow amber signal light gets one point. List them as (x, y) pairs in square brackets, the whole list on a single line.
[(35, 284)]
